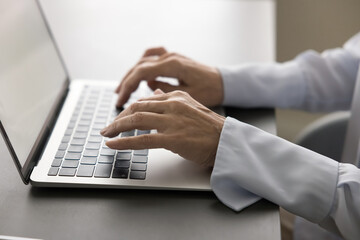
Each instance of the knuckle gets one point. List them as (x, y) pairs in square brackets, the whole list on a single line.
[(172, 54), (145, 139), (179, 93), (141, 68), (173, 59), (176, 104), (173, 104), (133, 107), (137, 117), (148, 51), (176, 93), (144, 68)]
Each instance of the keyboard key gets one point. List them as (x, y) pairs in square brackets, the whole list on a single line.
[(75, 148), (88, 160), (63, 146), (86, 117), (70, 164), (120, 173), (91, 145), (84, 122), (103, 170), (73, 119), (122, 164), (68, 172), (138, 167), (98, 126), (102, 115), (82, 129), (68, 132), (95, 133), (104, 146), (104, 104), (80, 135), (100, 120), (89, 111), (107, 152), (65, 139), (142, 132), (53, 171), (91, 101), (104, 111), (128, 133), (71, 125), (106, 159), (125, 151), (59, 154), (137, 175), (85, 171), (95, 139), (123, 156), (91, 153), (139, 159), (143, 152), (56, 162), (78, 141), (72, 156)]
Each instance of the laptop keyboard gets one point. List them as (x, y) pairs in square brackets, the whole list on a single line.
[(82, 151)]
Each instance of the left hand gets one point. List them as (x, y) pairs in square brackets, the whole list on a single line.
[(183, 126)]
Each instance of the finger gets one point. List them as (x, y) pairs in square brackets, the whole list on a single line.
[(139, 120), (157, 51), (144, 106), (165, 87), (145, 141), (170, 67), (152, 54), (142, 60), (158, 91), (156, 97)]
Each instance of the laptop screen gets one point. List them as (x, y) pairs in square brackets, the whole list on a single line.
[(32, 76)]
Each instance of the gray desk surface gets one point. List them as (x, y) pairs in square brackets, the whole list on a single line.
[(101, 40), (51, 213)]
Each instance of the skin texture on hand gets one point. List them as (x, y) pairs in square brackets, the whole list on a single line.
[(202, 82), (183, 126)]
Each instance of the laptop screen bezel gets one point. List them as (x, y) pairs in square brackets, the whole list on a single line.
[(40, 142)]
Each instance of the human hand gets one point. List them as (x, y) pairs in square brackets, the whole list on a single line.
[(183, 126), (202, 82)]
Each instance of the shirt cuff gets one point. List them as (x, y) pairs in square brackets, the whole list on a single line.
[(228, 191), (251, 163)]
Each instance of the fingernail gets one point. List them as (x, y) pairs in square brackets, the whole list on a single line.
[(103, 131), (108, 143)]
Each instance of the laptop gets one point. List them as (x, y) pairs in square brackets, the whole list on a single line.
[(51, 124)]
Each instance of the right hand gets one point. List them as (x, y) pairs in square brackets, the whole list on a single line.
[(202, 82), (183, 126)]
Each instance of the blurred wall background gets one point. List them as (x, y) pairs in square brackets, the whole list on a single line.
[(302, 25), (311, 24)]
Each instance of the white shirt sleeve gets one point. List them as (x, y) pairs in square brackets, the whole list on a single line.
[(312, 81), (252, 164)]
